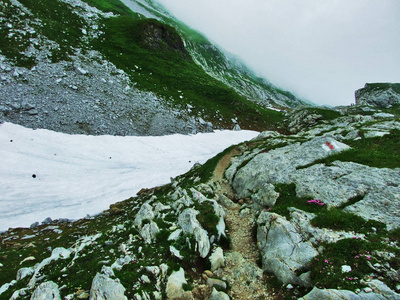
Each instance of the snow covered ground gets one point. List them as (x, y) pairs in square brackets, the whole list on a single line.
[(49, 174)]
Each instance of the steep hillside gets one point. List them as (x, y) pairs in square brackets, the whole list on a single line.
[(219, 63), (312, 215), (68, 66)]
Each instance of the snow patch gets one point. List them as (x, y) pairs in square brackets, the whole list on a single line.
[(49, 174)]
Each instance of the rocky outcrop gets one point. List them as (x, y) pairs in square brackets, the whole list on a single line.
[(284, 251), (47, 291), (382, 95)]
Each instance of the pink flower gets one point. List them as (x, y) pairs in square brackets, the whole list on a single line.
[(316, 201)]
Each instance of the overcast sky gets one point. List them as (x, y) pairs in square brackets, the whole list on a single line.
[(322, 50)]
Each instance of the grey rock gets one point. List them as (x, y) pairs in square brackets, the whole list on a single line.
[(149, 232), (174, 288), (215, 295), (34, 225), (217, 259), (216, 283), (380, 204), (23, 272), (318, 294), (375, 133), (279, 165), (145, 213), (189, 224), (47, 221), (283, 249), (105, 288), (383, 116), (46, 291), (384, 96), (382, 289)]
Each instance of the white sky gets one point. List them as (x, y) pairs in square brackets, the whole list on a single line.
[(78, 175), (322, 50)]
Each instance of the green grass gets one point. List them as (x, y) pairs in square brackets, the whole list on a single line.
[(288, 198), (383, 86), (337, 219), (326, 267)]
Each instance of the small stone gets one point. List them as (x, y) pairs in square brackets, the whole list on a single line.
[(208, 273), (212, 282), (346, 269), (33, 112), (205, 277), (368, 290), (289, 286), (145, 279)]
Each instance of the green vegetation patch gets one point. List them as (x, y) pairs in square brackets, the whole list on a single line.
[(327, 267), (383, 86), (288, 198), (337, 219)]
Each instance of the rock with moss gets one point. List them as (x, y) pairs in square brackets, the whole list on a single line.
[(378, 94)]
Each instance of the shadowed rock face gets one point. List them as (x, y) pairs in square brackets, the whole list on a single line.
[(156, 35), (378, 94)]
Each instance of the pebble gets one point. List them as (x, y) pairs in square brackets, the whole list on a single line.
[(208, 273), (368, 290)]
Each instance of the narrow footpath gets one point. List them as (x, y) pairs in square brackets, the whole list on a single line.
[(241, 270)]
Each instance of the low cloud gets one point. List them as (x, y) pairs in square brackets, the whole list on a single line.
[(320, 50)]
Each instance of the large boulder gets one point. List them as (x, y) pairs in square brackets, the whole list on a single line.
[(378, 94), (278, 166), (283, 249)]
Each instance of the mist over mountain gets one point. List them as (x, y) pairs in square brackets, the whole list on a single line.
[(322, 51)]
